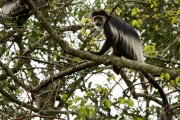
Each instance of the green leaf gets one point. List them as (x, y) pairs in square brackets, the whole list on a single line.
[(139, 118), (90, 109), (167, 76), (137, 23), (122, 101), (135, 11), (26, 6), (110, 77), (83, 30), (99, 88), (172, 82), (73, 107), (130, 103), (54, 56), (64, 97), (153, 4), (107, 103), (164, 76), (177, 80), (86, 20), (150, 50), (173, 20), (70, 102), (118, 11), (30, 73), (83, 112)]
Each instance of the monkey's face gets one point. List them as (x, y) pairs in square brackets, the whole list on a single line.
[(99, 22)]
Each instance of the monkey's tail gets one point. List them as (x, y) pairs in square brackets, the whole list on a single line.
[(161, 92)]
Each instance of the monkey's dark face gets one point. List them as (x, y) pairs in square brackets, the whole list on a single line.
[(99, 21)]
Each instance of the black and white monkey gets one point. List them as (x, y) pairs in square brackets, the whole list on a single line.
[(15, 9), (124, 41), (119, 35)]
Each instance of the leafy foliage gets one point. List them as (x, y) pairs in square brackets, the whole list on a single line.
[(39, 79)]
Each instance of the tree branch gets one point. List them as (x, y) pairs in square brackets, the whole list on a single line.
[(128, 83), (16, 80), (14, 100), (69, 71), (26, 53), (150, 97)]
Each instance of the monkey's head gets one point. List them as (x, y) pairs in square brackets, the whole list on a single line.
[(99, 18)]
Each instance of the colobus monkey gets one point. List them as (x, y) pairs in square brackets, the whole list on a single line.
[(124, 41), (16, 10), (119, 35)]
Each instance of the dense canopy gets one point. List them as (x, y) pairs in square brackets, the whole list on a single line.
[(46, 70)]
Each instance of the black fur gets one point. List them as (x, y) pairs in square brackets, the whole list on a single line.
[(101, 12)]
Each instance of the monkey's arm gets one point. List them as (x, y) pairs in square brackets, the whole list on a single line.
[(108, 43)]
